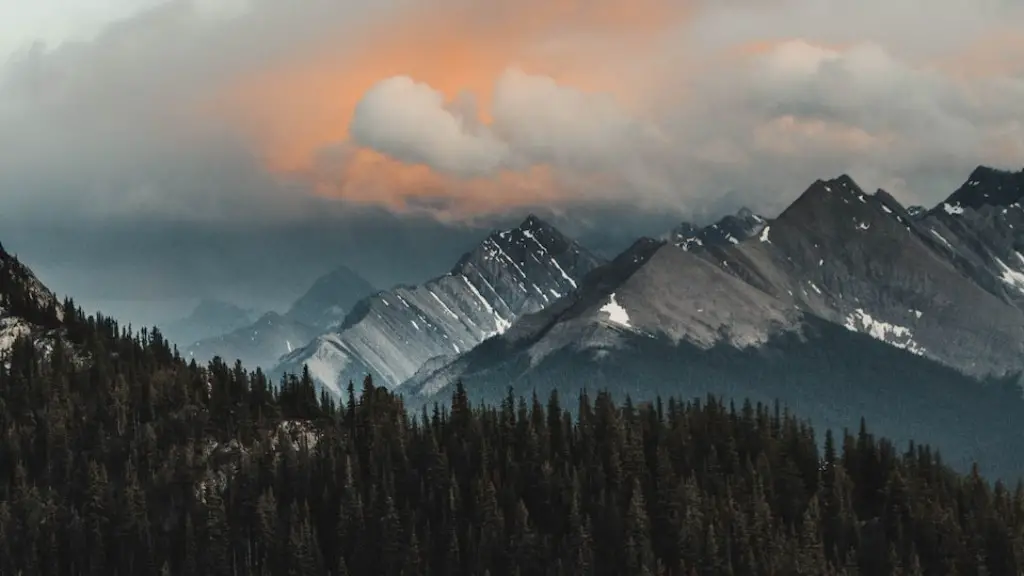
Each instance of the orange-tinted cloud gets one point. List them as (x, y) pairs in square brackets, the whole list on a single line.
[(367, 176), (996, 53), (298, 106), (791, 136)]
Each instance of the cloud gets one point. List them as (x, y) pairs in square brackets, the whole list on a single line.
[(534, 122), (260, 115), (409, 121), (456, 108)]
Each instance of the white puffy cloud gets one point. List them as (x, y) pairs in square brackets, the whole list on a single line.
[(561, 125), (534, 121), (787, 113), (409, 121)]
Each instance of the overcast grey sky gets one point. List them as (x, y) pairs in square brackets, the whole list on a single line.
[(241, 147)]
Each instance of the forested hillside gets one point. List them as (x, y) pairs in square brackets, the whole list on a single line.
[(117, 458)]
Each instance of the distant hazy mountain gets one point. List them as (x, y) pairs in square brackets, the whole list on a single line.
[(264, 341), (330, 298), (258, 344), (393, 334), (208, 318)]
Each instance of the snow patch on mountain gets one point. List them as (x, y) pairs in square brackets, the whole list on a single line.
[(616, 313), (952, 209), (898, 336)]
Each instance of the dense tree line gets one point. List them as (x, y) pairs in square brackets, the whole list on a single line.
[(119, 458)]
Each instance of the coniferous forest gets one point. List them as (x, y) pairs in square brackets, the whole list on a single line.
[(119, 458)]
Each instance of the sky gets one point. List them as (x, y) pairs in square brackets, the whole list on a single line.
[(239, 148)]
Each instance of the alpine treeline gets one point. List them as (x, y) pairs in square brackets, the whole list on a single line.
[(119, 458)]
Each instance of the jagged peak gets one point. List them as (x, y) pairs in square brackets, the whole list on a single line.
[(825, 195), (533, 228), (889, 200), (846, 181), (842, 183), (533, 222), (985, 186), (514, 244), (982, 171)]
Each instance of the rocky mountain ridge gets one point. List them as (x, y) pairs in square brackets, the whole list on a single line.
[(856, 260), (394, 333)]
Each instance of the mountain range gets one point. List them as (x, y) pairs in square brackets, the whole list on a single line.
[(845, 305), (945, 284)]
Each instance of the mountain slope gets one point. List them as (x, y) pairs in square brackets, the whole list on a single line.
[(980, 228), (391, 335), (653, 291), (833, 375)]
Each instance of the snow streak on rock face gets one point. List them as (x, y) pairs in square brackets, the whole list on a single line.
[(1009, 276), (392, 334)]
